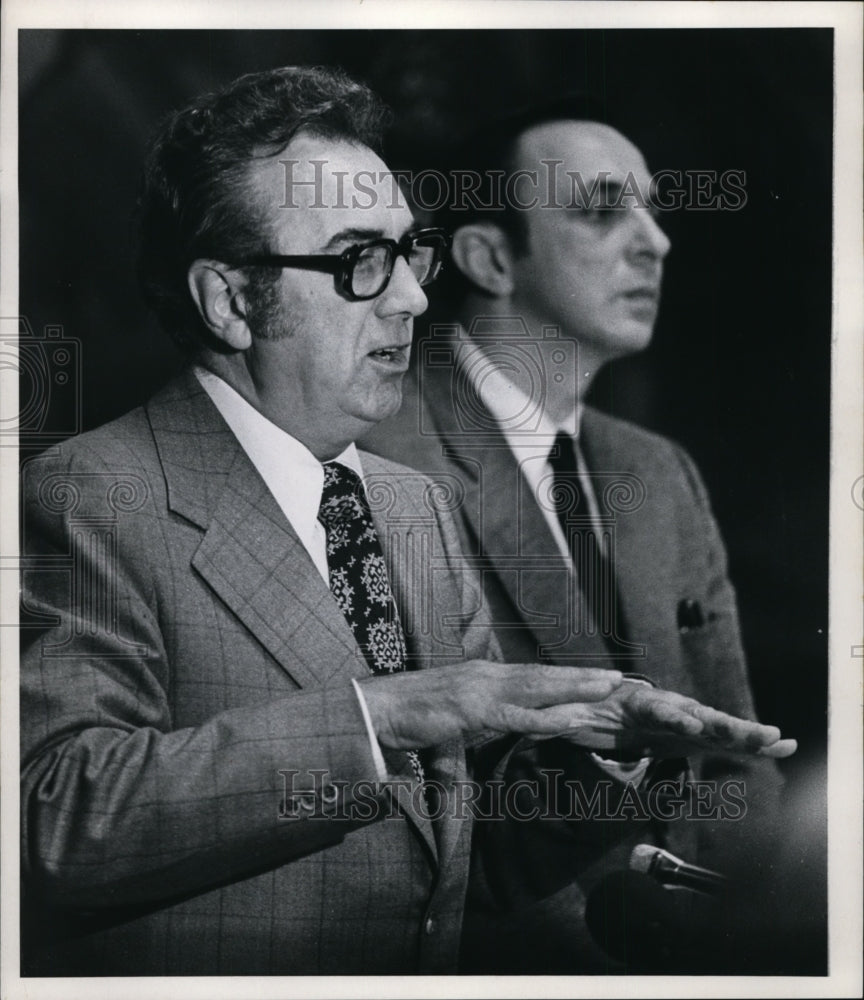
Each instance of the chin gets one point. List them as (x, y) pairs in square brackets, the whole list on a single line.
[(383, 408), (631, 339)]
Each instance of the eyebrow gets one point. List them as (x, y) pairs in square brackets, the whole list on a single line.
[(353, 235), (612, 190), (361, 235), (604, 190)]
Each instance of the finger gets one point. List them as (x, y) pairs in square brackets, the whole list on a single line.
[(662, 715), (540, 722), (762, 737), (749, 744), (750, 736), (767, 734), (782, 748), (534, 721), (586, 735), (729, 729), (541, 686), (580, 673), (593, 690)]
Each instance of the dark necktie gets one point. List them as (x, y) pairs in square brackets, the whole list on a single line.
[(358, 576), (594, 571)]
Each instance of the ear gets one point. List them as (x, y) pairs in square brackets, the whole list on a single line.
[(482, 252), (217, 291)]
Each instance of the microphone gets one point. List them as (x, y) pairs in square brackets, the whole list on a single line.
[(671, 871), (647, 922)]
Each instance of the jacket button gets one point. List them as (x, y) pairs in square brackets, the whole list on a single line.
[(431, 926)]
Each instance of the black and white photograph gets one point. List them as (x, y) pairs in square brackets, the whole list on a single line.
[(432, 482)]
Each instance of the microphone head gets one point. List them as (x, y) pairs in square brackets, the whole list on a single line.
[(643, 858)]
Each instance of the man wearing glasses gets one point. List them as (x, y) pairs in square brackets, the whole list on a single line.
[(244, 724)]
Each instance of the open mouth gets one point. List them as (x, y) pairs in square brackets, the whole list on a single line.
[(391, 355)]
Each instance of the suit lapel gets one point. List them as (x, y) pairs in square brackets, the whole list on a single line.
[(249, 553), (509, 526), (251, 557)]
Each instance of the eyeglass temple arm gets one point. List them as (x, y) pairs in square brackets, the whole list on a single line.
[(313, 262)]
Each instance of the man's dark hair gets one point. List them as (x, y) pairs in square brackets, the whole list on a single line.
[(491, 150), (192, 202)]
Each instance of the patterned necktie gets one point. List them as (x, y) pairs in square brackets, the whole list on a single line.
[(358, 576)]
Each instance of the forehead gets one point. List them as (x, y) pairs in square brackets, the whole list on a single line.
[(590, 148), (317, 188)]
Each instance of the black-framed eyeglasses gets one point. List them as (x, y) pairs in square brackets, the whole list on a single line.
[(364, 270)]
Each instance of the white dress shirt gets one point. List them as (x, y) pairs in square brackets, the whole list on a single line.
[(295, 477)]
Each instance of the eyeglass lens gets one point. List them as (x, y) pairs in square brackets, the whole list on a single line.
[(374, 265)]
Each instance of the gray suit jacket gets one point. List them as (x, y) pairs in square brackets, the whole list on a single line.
[(533, 877), (184, 667)]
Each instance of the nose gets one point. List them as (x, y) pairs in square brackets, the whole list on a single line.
[(648, 239), (403, 293)]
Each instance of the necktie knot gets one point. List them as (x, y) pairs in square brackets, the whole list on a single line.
[(342, 498), (562, 455)]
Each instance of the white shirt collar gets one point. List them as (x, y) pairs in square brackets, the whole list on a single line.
[(530, 435), (292, 473), (524, 424)]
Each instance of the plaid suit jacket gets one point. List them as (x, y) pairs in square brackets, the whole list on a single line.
[(184, 667)]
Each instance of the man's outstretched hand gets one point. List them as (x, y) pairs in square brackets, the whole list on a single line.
[(426, 707), (638, 720), (596, 708)]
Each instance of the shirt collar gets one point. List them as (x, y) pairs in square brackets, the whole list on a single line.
[(292, 473), (533, 430), (531, 447)]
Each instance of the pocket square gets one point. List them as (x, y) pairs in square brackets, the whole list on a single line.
[(689, 615)]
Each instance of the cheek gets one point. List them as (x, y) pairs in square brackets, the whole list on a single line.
[(568, 255), (573, 281), (336, 337)]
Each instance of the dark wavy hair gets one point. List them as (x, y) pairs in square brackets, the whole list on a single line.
[(193, 201)]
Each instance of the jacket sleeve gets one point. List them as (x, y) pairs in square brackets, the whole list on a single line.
[(119, 806)]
